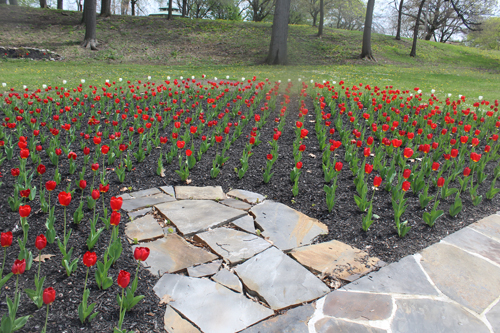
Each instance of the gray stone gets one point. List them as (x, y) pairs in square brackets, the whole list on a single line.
[(247, 196), (228, 279), (143, 229), (204, 269), (425, 315), (474, 242), (245, 223), (142, 202), (358, 306), (233, 245), (193, 216), (286, 227), (402, 277), (126, 196), (237, 204), (168, 190), (332, 325), (199, 193), (294, 320), (464, 278), (172, 254), (489, 226), (174, 323), (279, 280), (493, 317), (145, 193), (210, 306), (139, 213), (335, 258)]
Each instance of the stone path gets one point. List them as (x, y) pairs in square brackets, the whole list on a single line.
[(231, 262)]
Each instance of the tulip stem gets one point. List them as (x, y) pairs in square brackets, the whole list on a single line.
[(86, 276), (46, 318), (64, 238), (120, 321), (39, 263), (3, 263)]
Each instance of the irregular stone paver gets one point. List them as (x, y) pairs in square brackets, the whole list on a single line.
[(280, 280), (210, 306), (238, 204), (245, 223), (199, 193), (424, 315), (168, 190), (332, 325), (228, 279), (335, 258), (125, 196), (139, 213), (489, 226), (357, 306), (193, 216), (174, 323), (468, 280), (293, 321), (204, 269), (233, 245), (172, 254), (493, 317), (246, 196), (473, 241), (286, 227), (402, 277), (143, 229), (142, 202), (145, 193)]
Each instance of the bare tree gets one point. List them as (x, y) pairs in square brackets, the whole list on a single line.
[(279, 35), (400, 14), (124, 7), (59, 4), (413, 52), (366, 50), (105, 8), (321, 17), (90, 40), (43, 3), (260, 9)]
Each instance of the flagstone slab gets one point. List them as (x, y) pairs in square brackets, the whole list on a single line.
[(293, 321), (474, 242), (357, 306), (238, 204), (139, 213), (145, 193), (332, 325), (174, 323), (245, 223), (425, 315), (168, 190), (464, 278), (247, 196), (199, 193), (335, 258), (147, 201), (194, 216), (286, 227), (143, 229), (210, 306), (493, 317), (233, 245), (204, 269), (489, 226), (402, 277), (228, 279), (279, 280), (172, 253)]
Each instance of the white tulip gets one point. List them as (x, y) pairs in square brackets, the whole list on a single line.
[(480, 98), (82, 81), (419, 91), (279, 81), (107, 81), (181, 78), (64, 81), (334, 82), (433, 91), (192, 77), (149, 78), (120, 79), (203, 76), (168, 77), (4, 84), (459, 96), (324, 81), (24, 87), (312, 81), (215, 78), (299, 79), (449, 95), (242, 79), (44, 86), (227, 77), (289, 80)]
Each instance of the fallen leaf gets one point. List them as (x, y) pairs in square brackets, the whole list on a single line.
[(150, 314), (43, 257), (166, 299), (188, 181), (162, 173), (123, 189), (312, 155)]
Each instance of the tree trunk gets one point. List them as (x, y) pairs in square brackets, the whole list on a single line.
[(3, 2), (13, 2), (169, 9), (413, 52), (43, 3), (124, 7), (278, 47), (59, 4), (400, 14), (132, 5), (90, 40), (105, 8), (184, 3), (366, 50), (321, 17), (315, 16)]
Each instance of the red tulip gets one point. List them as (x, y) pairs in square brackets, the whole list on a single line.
[(466, 171), (475, 157), (115, 218), (6, 239), (180, 144), (24, 211), (82, 184), (338, 166), (64, 198), (25, 153), (40, 242), (377, 181), (218, 138), (366, 152), (454, 153), (89, 259), (188, 152), (103, 189), (406, 186), (49, 295), (105, 149), (72, 156), (298, 124), (116, 203), (406, 173), (123, 279), (50, 185), (97, 140), (95, 194), (487, 148), (58, 151), (141, 253), (299, 165), (15, 172), (86, 151), (19, 266), (368, 168), (41, 169), (25, 193), (303, 133), (440, 182), (302, 148), (95, 167), (435, 166), (269, 156)]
